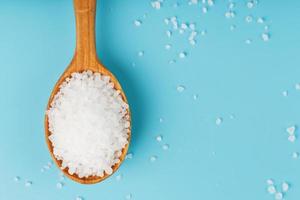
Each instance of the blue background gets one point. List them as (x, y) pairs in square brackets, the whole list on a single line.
[(231, 161)]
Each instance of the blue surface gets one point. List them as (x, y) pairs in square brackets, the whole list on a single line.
[(231, 161)]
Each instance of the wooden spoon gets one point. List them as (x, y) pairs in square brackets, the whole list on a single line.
[(85, 58)]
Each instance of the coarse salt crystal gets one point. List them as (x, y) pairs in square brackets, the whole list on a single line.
[(156, 4), (270, 182), (292, 138), (285, 186), (141, 53), (291, 130), (285, 93), (219, 120), (249, 18), (17, 179), (168, 46), (79, 198), (260, 20), (129, 156), (192, 26), (278, 196), (119, 177), (250, 4), (297, 86), (180, 88), (165, 147), (232, 27), (265, 37), (153, 158), (204, 10), (159, 138), (182, 54), (59, 185), (169, 33), (128, 196), (88, 125), (295, 155), (28, 183), (248, 41), (137, 22), (271, 189)]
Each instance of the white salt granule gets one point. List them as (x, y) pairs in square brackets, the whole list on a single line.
[(168, 46), (260, 20), (271, 189), (165, 147), (248, 41), (89, 124), (204, 10), (265, 37), (158, 138), (295, 155), (278, 196), (292, 138), (129, 156), (141, 53), (180, 88), (285, 93), (17, 179), (169, 33), (128, 196), (28, 183), (250, 4), (79, 198), (297, 86), (249, 18), (137, 22), (192, 26), (182, 55), (291, 130), (119, 177), (270, 182), (156, 4), (219, 120), (59, 185), (232, 27), (285, 186), (153, 158)]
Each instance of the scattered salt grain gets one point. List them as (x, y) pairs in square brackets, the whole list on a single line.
[(229, 14), (192, 26), (204, 10), (141, 53), (271, 189), (203, 32), (128, 196), (137, 23), (183, 26), (158, 138), (231, 5), (285, 186), (297, 86), (129, 156), (17, 179), (292, 138), (119, 177), (79, 198), (219, 120), (153, 158), (180, 88), (172, 61), (89, 122), (165, 147), (42, 170), (291, 130), (250, 4), (265, 37), (285, 93), (193, 42), (278, 196), (59, 185), (161, 120), (169, 33), (28, 183), (156, 5), (249, 18), (232, 27), (182, 55), (167, 21), (295, 155), (195, 96), (210, 2), (260, 20), (270, 182), (248, 41), (168, 46)]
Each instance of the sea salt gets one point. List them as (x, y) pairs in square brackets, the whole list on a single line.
[(219, 120), (292, 138), (265, 37), (249, 18), (260, 20), (291, 130), (128, 196), (169, 33), (285, 93), (271, 189), (165, 147), (168, 46), (28, 183), (158, 138), (285, 186), (250, 4), (79, 198), (297, 86), (153, 158), (270, 182), (295, 155), (156, 5), (119, 177), (248, 41), (17, 179), (180, 88), (137, 23), (141, 53), (278, 196), (89, 124), (59, 185), (182, 55), (232, 27), (129, 156)]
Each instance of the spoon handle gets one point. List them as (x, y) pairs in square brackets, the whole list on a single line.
[(85, 53)]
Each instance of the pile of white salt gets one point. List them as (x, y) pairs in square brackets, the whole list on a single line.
[(89, 124)]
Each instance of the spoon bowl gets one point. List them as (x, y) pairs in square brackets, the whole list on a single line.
[(85, 58)]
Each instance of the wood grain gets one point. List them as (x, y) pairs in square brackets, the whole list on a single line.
[(85, 58)]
